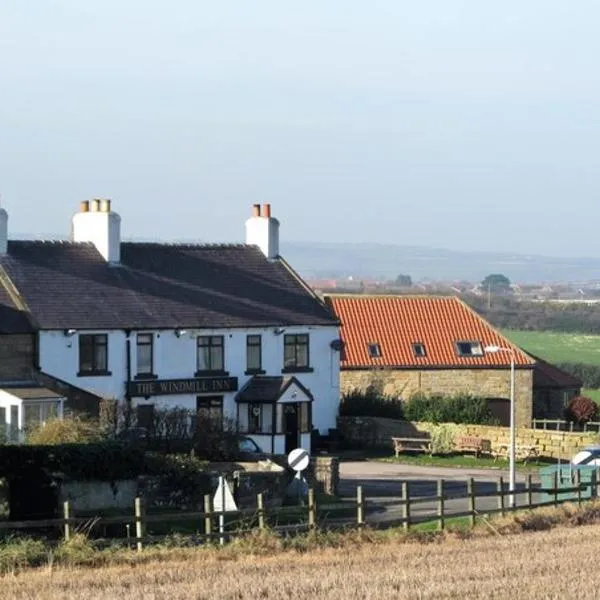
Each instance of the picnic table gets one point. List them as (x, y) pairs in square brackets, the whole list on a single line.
[(413, 444), (523, 452)]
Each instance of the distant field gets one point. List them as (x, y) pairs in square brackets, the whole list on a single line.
[(558, 347)]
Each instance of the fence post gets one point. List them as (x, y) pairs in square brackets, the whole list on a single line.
[(207, 517), (440, 495), (594, 483), (471, 492), (260, 503), (360, 507), (66, 517), (312, 509), (405, 506), (139, 524), (529, 490), (555, 483), (578, 479), (500, 490)]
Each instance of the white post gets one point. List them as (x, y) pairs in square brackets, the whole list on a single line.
[(511, 498), (222, 515)]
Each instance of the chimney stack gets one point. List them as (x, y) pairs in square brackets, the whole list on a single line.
[(262, 230), (97, 224), (3, 232)]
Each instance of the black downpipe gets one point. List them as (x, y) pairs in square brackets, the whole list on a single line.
[(127, 384), (274, 427)]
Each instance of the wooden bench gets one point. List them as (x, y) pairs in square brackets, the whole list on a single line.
[(411, 444), (522, 452), (476, 445)]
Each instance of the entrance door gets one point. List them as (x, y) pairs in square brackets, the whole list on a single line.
[(290, 427)]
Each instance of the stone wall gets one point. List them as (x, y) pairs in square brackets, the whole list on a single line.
[(551, 444), (489, 383), (372, 432), (17, 354), (325, 474)]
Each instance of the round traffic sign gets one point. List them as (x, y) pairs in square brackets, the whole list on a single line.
[(299, 459)]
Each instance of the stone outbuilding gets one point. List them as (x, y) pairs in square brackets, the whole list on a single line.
[(438, 345)]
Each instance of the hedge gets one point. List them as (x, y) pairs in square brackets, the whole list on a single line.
[(461, 408), (106, 461)]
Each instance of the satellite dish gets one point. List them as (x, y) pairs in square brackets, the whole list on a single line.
[(336, 345)]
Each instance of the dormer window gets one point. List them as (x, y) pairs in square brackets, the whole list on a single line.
[(374, 350), (419, 349), (469, 349)]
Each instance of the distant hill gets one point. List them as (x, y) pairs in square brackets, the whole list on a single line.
[(386, 261)]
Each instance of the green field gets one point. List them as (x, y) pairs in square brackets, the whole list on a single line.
[(558, 347)]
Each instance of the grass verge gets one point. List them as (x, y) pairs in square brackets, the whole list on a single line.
[(462, 461)]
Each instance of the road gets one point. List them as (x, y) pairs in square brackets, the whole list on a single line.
[(382, 485)]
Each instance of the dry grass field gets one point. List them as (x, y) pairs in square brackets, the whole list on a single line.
[(551, 564)]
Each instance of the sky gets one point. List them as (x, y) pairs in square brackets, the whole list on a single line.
[(456, 124)]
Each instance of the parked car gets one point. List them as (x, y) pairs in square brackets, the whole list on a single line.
[(588, 456), (250, 450)]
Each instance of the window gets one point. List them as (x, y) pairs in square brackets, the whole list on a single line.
[(253, 353), (210, 356), (145, 353), (374, 350), (93, 354), (469, 349), (145, 416), (38, 413), (210, 410), (419, 349), (255, 418), (296, 354)]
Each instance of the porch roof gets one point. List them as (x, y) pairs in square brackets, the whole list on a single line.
[(270, 389)]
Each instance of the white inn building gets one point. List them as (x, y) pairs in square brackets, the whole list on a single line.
[(230, 329)]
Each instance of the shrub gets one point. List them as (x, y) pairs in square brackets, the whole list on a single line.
[(370, 403), (72, 430), (461, 408), (442, 438), (106, 461), (581, 409)]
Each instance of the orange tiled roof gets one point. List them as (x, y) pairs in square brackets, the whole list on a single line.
[(397, 322)]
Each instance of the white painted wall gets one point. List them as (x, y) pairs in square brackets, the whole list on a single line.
[(264, 233), (103, 229), (175, 358)]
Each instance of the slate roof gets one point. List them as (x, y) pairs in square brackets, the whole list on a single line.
[(268, 389), (549, 376), (69, 285), (30, 392), (397, 322), (12, 318)]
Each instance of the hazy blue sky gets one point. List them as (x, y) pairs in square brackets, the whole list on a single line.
[(458, 124)]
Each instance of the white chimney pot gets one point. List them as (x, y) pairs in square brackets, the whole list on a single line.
[(101, 228), (262, 230)]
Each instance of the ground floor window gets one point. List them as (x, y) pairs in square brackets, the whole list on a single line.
[(145, 416), (36, 414), (255, 414), (209, 409)]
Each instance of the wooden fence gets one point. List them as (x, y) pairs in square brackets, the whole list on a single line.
[(311, 515), (562, 425)]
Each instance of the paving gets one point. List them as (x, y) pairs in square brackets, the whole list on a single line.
[(382, 487)]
